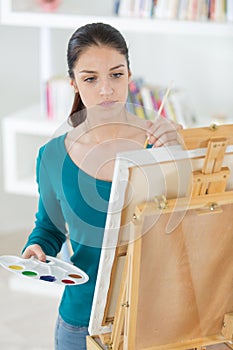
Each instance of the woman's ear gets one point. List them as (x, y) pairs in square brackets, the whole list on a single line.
[(74, 85), (129, 76)]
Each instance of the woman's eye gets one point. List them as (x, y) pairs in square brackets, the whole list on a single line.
[(90, 79), (117, 75)]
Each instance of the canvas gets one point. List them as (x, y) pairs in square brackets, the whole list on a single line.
[(181, 250)]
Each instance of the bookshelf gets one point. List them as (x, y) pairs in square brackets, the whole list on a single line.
[(142, 25), (28, 134)]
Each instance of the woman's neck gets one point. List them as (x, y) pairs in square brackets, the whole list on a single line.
[(109, 127), (107, 132)]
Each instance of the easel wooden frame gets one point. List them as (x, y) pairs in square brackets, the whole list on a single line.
[(197, 198)]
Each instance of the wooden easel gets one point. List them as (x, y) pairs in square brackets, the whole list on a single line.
[(206, 195)]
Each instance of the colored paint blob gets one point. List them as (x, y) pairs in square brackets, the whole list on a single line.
[(74, 275), (47, 261), (48, 278), (29, 273), (15, 267), (68, 281)]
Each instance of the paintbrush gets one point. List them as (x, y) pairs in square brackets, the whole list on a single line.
[(160, 109)]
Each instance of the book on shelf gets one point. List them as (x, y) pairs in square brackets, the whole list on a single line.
[(135, 103), (116, 5), (134, 8), (182, 10), (59, 98), (217, 10), (191, 10), (192, 14), (166, 9), (229, 10), (144, 100)]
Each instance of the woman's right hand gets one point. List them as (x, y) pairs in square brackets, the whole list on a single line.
[(34, 250)]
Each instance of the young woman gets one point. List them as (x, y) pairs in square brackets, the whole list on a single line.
[(74, 171)]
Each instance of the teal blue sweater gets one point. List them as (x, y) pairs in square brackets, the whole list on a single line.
[(70, 199)]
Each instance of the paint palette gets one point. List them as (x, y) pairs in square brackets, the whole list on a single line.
[(53, 270)]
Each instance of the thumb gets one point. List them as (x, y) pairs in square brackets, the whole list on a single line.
[(34, 250), (149, 123)]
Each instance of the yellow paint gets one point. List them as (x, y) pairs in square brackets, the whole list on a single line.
[(15, 267)]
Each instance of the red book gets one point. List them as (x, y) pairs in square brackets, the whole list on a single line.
[(49, 101), (212, 9)]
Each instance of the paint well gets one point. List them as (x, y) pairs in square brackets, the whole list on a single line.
[(66, 281), (29, 273), (16, 267), (48, 278), (74, 275)]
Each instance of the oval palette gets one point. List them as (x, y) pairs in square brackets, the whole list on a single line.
[(53, 270)]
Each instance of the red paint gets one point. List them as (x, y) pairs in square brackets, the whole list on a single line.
[(68, 282)]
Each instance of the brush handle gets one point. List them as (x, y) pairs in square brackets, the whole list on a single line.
[(159, 111)]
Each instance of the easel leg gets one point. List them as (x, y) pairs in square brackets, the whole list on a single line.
[(124, 329), (117, 337)]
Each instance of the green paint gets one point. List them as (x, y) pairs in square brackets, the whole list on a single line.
[(29, 273)]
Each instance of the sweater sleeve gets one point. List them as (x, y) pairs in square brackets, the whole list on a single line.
[(50, 227)]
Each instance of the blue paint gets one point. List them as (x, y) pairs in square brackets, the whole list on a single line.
[(48, 278)]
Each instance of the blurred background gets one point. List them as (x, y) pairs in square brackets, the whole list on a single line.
[(168, 41)]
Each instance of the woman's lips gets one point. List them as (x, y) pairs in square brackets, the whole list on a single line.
[(107, 104)]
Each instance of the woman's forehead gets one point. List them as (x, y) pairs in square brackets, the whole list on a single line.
[(94, 56)]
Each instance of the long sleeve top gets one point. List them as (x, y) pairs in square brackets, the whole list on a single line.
[(70, 199)]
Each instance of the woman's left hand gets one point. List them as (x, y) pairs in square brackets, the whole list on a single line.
[(163, 132)]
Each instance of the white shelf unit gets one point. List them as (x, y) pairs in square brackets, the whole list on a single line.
[(31, 123), (23, 133)]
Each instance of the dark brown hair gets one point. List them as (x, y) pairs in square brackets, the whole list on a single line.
[(93, 34)]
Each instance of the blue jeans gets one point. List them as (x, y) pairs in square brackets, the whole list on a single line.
[(68, 337)]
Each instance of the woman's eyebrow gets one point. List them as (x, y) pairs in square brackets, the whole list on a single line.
[(118, 66), (87, 71), (94, 72)]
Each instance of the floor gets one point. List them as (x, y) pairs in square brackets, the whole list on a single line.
[(28, 311)]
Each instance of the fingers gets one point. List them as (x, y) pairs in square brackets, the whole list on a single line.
[(34, 250), (163, 132)]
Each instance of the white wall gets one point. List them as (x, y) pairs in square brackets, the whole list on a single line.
[(202, 65), (18, 86)]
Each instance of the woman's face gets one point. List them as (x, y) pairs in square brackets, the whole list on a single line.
[(101, 77)]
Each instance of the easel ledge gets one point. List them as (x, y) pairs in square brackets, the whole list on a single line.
[(198, 344)]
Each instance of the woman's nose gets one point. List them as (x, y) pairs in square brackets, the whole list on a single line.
[(106, 88)]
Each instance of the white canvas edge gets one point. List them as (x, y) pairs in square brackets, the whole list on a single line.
[(124, 161)]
